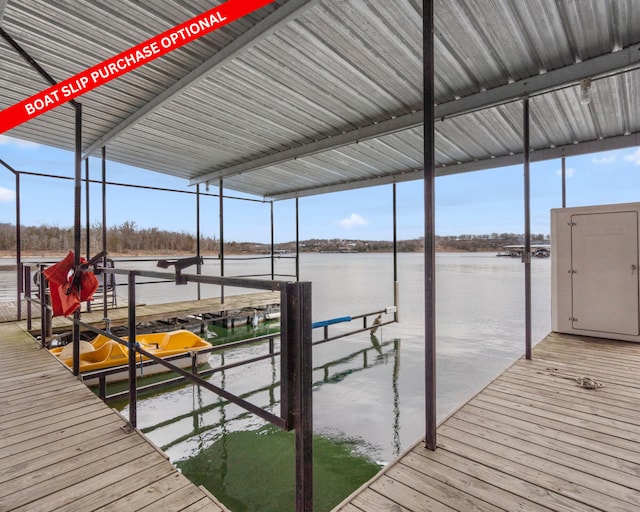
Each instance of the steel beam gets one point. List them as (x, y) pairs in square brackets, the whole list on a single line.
[(540, 155), (396, 124), (531, 86), (582, 148), (546, 82), (283, 15)]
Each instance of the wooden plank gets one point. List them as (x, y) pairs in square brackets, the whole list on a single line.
[(570, 440), (371, 500), (586, 461), (150, 484), (36, 458), (175, 501), (148, 495), (439, 491), (406, 496), (466, 483)]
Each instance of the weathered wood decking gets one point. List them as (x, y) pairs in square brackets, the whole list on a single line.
[(532, 440), (61, 448)]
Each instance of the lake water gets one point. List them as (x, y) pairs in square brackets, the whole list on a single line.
[(368, 394)]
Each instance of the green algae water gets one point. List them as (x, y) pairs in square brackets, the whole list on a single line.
[(255, 470)]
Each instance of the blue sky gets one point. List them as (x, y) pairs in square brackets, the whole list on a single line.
[(471, 203)]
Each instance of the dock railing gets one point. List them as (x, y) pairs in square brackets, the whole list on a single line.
[(296, 411)]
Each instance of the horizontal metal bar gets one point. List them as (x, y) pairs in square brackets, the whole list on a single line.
[(325, 340), (131, 185), (195, 278), (276, 420)]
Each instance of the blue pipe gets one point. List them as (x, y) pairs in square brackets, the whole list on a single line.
[(324, 323)]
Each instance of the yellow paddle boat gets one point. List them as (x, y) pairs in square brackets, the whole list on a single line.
[(103, 352)]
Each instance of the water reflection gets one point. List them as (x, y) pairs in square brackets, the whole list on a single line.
[(207, 441)]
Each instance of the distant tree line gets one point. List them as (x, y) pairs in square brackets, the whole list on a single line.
[(124, 239), (489, 242), (127, 238)]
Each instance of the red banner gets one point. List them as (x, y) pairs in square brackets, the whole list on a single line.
[(127, 61)]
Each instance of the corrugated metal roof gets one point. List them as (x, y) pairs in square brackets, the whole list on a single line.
[(304, 97)]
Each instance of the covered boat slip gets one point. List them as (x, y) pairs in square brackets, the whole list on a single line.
[(533, 440), (61, 448)]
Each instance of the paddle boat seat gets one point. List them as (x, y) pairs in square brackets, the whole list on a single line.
[(111, 353)]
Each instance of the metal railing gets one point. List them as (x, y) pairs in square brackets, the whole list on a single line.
[(295, 359)]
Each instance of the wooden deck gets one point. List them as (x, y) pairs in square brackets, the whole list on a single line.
[(532, 440), (63, 449)]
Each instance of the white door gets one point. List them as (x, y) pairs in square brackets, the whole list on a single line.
[(604, 273)]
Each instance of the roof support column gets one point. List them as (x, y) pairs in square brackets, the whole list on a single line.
[(564, 182), (77, 230), (87, 213), (105, 277), (526, 255), (429, 226), (16, 175), (297, 241), (221, 253), (273, 260), (18, 247), (396, 284), (198, 249)]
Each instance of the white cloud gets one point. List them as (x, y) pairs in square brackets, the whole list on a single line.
[(634, 157), (7, 195), (351, 221), (569, 172), (17, 142), (605, 159)]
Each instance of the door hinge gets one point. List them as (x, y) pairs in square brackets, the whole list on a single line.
[(571, 224), (572, 319), (571, 271)]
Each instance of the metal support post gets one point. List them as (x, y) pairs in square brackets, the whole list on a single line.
[(18, 247), (19, 281), (198, 236), (273, 245), (105, 278), (87, 209), (77, 230), (564, 182), (526, 256), (396, 283), (297, 241), (25, 272), (87, 216), (133, 392), (429, 227), (44, 312), (299, 346), (221, 254)]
